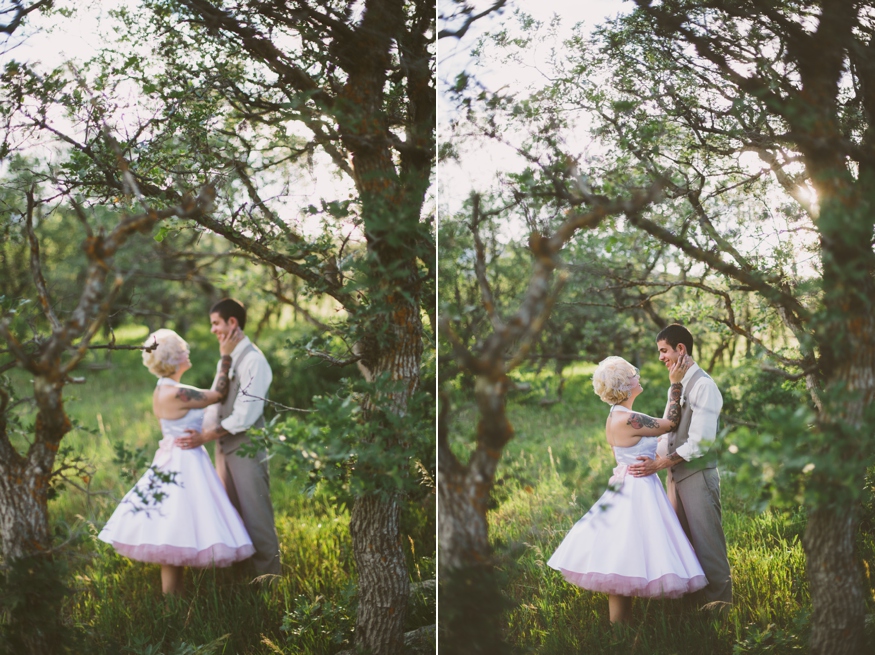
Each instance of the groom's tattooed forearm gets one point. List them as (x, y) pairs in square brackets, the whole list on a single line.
[(639, 421), (674, 405), (222, 384), (185, 394)]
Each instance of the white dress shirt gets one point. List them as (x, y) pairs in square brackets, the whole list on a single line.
[(255, 378), (706, 402)]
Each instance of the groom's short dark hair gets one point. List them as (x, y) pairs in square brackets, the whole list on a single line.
[(228, 307), (674, 334)]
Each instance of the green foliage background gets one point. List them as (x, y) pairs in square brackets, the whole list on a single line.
[(114, 605), (558, 465)]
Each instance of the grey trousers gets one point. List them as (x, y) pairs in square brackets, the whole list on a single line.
[(696, 499), (247, 482)]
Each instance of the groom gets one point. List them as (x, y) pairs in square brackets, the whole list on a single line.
[(692, 481), (245, 478)]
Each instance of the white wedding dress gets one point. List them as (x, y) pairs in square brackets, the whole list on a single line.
[(631, 543), (194, 524)]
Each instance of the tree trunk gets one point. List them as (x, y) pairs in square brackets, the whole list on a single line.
[(846, 340), (394, 351), (838, 594), (836, 583), (462, 527), (472, 602), (383, 582), (464, 490), (24, 520), (24, 481), (470, 590), (32, 622)]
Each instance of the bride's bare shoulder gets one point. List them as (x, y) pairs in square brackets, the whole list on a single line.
[(621, 434)]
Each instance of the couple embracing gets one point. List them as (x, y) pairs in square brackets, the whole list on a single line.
[(206, 516), (637, 540)]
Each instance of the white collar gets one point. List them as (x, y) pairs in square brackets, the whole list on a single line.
[(244, 342), (689, 374)]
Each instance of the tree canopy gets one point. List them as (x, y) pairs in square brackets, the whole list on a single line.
[(248, 102), (753, 120)]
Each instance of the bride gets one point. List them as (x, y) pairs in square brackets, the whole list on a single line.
[(631, 543), (178, 514)]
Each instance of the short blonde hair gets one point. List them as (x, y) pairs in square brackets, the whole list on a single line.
[(612, 380), (170, 353)]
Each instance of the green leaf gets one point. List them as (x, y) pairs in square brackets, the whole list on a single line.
[(162, 232)]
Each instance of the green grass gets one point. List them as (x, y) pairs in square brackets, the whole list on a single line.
[(116, 604), (553, 470)]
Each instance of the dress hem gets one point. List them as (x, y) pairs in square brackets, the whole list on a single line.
[(668, 586), (217, 555)]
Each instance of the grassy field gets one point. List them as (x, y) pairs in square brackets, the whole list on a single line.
[(116, 605), (554, 469)]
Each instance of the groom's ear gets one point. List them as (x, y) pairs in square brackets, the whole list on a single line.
[(682, 349), (232, 321)]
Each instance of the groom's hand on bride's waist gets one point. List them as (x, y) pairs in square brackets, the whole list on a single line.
[(647, 466), (192, 439)]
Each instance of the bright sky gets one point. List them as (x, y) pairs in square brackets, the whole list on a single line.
[(52, 41), (483, 160), (48, 42)]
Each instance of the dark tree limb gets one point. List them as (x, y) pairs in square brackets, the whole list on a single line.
[(277, 292), (487, 297), (331, 359), (259, 47), (790, 184), (272, 218), (270, 256), (19, 11), (677, 23), (25, 359), (470, 18), (748, 278), (35, 267)]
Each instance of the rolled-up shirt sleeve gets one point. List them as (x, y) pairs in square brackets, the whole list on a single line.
[(662, 446), (706, 403), (255, 378)]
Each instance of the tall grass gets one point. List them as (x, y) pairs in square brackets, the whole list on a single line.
[(554, 469), (116, 604)]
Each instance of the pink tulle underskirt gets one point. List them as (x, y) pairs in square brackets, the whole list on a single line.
[(217, 555), (668, 586)]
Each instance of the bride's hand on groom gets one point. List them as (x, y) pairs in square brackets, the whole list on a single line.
[(228, 342), (677, 370)]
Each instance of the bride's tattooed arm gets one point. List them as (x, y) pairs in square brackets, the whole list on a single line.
[(640, 421), (185, 394), (644, 422), (674, 405), (188, 394), (223, 383)]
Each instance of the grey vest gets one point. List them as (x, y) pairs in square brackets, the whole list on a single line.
[(231, 442), (679, 437)]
